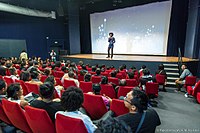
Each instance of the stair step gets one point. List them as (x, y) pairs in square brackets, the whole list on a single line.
[(169, 73), (171, 83), (171, 69), (172, 78), (171, 65)]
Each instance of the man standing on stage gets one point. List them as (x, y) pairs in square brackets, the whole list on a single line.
[(111, 41), (53, 56)]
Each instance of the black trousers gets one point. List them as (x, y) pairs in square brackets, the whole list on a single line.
[(110, 48)]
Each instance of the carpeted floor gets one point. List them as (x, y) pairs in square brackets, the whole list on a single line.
[(177, 113)]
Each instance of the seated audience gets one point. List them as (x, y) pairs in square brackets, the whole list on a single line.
[(112, 125), (3, 89), (72, 100), (96, 91), (25, 76), (47, 101), (87, 77), (52, 80), (146, 77), (13, 73), (15, 94), (136, 101), (181, 81), (35, 78), (98, 72), (142, 68), (70, 76)]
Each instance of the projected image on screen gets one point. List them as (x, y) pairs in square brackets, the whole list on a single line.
[(137, 30)]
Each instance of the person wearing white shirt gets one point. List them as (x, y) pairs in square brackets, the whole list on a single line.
[(72, 100)]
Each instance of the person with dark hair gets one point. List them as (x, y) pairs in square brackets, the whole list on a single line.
[(142, 68), (47, 101), (112, 125), (2, 71), (104, 80), (98, 72), (13, 73), (25, 76), (111, 41), (72, 99), (146, 77), (87, 77), (52, 80), (96, 91), (113, 74), (94, 68), (3, 89), (161, 71), (35, 78), (131, 75), (15, 94), (70, 76), (136, 101), (47, 71), (181, 81)]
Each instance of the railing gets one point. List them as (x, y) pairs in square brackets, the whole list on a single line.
[(180, 60)]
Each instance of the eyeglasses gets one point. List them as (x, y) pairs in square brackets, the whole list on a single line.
[(125, 99)]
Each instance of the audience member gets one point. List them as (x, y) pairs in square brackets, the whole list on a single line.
[(13, 73), (3, 89), (15, 94), (47, 101), (35, 78), (181, 81), (72, 99), (136, 101), (87, 77), (25, 76), (70, 76)]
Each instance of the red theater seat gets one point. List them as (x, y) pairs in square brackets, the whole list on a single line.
[(118, 107), (39, 120), (16, 115), (65, 124), (94, 106)]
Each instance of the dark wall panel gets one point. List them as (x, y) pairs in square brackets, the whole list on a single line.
[(34, 30)]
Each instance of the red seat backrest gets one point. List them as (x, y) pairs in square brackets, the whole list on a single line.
[(68, 83), (131, 82), (94, 105), (190, 80), (39, 120), (58, 81), (160, 79), (123, 90), (3, 116), (108, 90), (80, 77), (113, 80), (8, 80), (86, 86), (196, 89), (65, 124), (118, 107), (152, 88), (119, 76), (96, 79), (32, 88), (43, 78), (16, 115), (25, 90), (59, 74)]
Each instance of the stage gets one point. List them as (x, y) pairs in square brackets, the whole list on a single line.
[(130, 60)]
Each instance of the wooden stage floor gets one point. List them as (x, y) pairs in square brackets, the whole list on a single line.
[(130, 58)]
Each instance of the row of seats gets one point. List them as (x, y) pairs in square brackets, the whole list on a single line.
[(37, 120)]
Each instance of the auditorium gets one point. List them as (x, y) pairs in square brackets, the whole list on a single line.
[(99, 66)]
